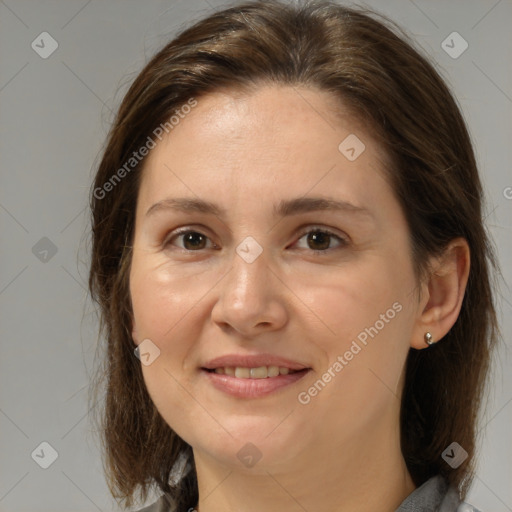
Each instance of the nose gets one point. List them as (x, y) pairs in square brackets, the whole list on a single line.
[(251, 297)]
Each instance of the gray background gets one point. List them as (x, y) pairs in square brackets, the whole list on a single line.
[(55, 113)]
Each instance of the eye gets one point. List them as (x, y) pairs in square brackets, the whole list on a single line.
[(322, 239), (193, 240)]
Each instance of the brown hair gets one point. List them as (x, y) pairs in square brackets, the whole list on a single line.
[(366, 62)]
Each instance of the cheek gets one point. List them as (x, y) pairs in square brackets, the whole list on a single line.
[(163, 308), (369, 315), (162, 299), (366, 321), (363, 301)]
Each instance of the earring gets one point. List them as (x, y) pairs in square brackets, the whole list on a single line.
[(428, 339)]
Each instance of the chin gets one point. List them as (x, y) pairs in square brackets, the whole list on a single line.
[(255, 448)]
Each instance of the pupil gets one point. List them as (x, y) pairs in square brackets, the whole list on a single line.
[(189, 237), (318, 236)]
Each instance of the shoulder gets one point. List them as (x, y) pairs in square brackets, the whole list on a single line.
[(451, 503), (163, 504), (435, 494)]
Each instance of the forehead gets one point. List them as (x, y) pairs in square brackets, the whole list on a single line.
[(272, 140), (273, 113)]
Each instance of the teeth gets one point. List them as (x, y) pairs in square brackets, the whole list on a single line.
[(262, 372), (242, 373)]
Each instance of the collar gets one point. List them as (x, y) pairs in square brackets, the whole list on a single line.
[(434, 495)]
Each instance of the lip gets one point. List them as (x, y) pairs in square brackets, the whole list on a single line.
[(253, 361), (252, 388)]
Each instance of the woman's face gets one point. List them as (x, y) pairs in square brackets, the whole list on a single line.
[(261, 277)]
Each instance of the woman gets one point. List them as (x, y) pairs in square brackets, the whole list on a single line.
[(293, 272)]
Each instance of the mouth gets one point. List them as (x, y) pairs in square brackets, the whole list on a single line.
[(251, 383), (252, 375), (260, 372)]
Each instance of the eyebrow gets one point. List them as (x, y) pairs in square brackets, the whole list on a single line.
[(284, 208)]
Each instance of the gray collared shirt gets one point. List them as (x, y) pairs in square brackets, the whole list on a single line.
[(433, 496)]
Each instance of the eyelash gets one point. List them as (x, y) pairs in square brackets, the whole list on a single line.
[(343, 241)]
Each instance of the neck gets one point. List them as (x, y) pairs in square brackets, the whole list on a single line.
[(364, 473)]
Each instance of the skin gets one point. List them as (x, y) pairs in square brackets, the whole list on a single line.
[(245, 152)]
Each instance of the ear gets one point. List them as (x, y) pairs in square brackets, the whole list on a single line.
[(442, 294)]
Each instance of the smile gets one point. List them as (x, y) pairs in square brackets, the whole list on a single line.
[(239, 382), (261, 372)]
